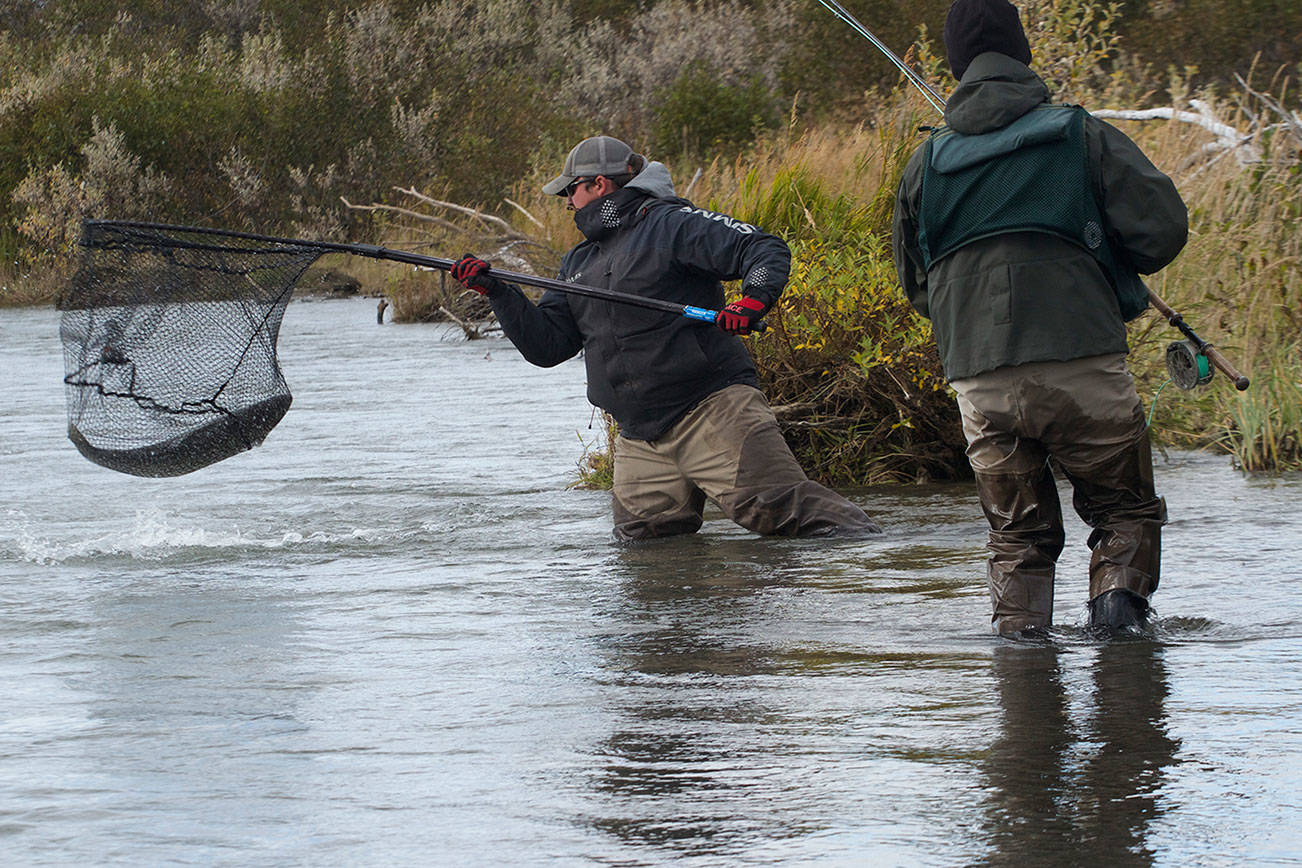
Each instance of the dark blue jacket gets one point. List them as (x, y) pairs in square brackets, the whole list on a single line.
[(649, 368)]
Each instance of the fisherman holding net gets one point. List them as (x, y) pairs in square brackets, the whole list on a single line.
[(693, 422), (1020, 229)]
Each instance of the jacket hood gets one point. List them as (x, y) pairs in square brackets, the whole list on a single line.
[(655, 180), (994, 91)]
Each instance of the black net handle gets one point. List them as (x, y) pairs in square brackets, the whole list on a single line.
[(370, 250)]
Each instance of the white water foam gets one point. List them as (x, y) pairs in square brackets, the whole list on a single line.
[(155, 536)]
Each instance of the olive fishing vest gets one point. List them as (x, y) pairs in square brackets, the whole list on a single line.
[(1030, 176)]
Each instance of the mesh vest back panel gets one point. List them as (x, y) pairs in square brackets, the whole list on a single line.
[(1030, 176)]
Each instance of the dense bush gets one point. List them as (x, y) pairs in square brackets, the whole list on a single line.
[(851, 368), (1217, 38), (701, 114), (261, 114), (621, 71), (256, 134)]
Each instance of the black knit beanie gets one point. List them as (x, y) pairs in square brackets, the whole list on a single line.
[(974, 27)]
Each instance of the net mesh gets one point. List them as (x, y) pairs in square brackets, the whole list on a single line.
[(169, 340)]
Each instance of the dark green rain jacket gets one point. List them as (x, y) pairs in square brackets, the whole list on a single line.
[(1031, 296)]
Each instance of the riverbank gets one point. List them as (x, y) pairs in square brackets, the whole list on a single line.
[(852, 363)]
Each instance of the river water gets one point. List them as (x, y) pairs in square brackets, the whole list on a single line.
[(392, 636)]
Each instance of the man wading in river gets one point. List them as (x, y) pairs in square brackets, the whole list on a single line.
[(1019, 228), (693, 423)]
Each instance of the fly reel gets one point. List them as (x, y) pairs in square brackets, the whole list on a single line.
[(1186, 366)]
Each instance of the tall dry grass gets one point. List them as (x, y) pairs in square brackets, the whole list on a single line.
[(1238, 281)]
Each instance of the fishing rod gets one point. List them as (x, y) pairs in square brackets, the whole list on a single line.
[(937, 101), (372, 251), (1185, 361)]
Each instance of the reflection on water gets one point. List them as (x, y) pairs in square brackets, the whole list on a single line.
[(1067, 788), (392, 632), (713, 664), (688, 753)]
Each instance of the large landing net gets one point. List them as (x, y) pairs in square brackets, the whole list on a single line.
[(169, 338), (169, 344)]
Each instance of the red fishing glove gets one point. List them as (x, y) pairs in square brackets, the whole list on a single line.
[(474, 273), (739, 317)]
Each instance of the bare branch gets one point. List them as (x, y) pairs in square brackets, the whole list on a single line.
[(517, 206), (692, 183), (1227, 137), (1292, 120), (471, 331), (492, 219), (394, 209)]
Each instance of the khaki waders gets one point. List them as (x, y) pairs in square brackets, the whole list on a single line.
[(728, 449), (1084, 418)]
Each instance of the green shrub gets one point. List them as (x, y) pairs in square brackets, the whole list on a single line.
[(850, 366), (699, 113), (255, 133)]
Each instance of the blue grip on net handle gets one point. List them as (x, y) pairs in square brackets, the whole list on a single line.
[(704, 314)]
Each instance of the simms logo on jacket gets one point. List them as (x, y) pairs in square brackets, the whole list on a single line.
[(736, 225)]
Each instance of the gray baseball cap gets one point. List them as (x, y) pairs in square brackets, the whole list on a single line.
[(599, 155)]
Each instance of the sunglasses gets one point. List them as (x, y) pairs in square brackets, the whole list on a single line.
[(569, 189)]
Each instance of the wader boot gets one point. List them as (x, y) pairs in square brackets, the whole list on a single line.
[(671, 518), (1026, 537), (1116, 498), (1119, 609)]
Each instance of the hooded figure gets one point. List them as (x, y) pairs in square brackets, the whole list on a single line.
[(973, 28), (693, 422), (1020, 231)]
